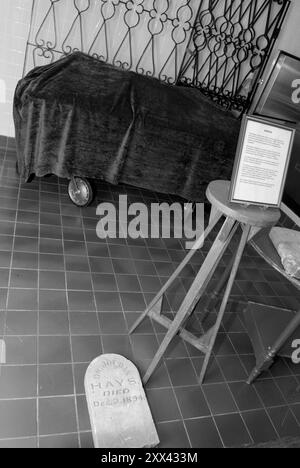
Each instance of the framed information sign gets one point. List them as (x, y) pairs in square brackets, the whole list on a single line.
[(261, 162)]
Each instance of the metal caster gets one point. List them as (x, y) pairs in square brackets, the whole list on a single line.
[(80, 191)]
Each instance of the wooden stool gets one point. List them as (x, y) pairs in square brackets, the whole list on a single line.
[(251, 219)]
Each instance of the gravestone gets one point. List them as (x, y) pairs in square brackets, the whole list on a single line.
[(119, 412)]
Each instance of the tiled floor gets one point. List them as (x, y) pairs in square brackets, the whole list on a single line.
[(66, 297)]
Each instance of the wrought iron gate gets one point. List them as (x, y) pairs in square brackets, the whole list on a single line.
[(214, 45)]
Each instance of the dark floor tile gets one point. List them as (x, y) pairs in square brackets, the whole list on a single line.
[(21, 323), (144, 268), (118, 344), (290, 388), (51, 299), (6, 242), (77, 263), (7, 228), (21, 350), (86, 440), (133, 302), (25, 260), (172, 435), (86, 348), (223, 346), (159, 378), (108, 301), (203, 433), (27, 217), (140, 253), (52, 280), (144, 346), (73, 234), (53, 323), (233, 431), (50, 232), (232, 368), (112, 323), (192, 402), (181, 372), (81, 301), (245, 396), (119, 251), (84, 323), (51, 262), (219, 398), (284, 421), (18, 382), (213, 372), (101, 265), (128, 283), (75, 248), (20, 418), (5, 259), (163, 404), (65, 441), (296, 412), (269, 393), (55, 379), (54, 349), (51, 246), (79, 374), (260, 426), (27, 230), (24, 279), (241, 343), (22, 299), (7, 215), (79, 281), (104, 282), (26, 244), (27, 442), (57, 415), (232, 323), (83, 414), (4, 277), (280, 368), (150, 283), (97, 250), (146, 327), (54, 219)]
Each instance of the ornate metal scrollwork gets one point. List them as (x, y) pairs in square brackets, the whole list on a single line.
[(214, 45)]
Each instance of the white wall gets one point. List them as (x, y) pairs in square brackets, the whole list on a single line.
[(289, 39), (14, 27)]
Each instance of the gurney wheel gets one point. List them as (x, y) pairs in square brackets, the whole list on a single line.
[(80, 191)]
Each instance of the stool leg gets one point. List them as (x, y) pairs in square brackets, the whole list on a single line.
[(158, 296), (212, 299), (221, 312), (203, 277)]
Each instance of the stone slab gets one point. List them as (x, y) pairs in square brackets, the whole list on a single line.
[(118, 408)]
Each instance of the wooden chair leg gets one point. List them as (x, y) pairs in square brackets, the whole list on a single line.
[(170, 281), (221, 312), (259, 368), (266, 361), (213, 297), (202, 279)]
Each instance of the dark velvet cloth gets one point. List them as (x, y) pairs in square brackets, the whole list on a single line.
[(80, 116)]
